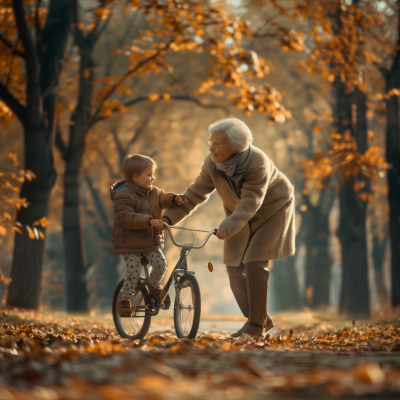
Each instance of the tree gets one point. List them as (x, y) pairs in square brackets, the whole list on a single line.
[(391, 74), (341, 33), (27, 90)]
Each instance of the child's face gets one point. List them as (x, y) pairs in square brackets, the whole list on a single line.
[(146, 178)]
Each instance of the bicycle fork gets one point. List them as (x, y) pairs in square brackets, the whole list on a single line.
[(179, 270)]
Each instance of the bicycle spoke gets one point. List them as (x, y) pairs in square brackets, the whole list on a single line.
[(132, 325), (186, 307)]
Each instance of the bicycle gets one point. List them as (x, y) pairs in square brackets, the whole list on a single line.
[(145, 305)]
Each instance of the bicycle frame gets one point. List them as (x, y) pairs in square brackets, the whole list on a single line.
[(180, 267)]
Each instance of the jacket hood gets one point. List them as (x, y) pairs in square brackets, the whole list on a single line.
[(124, 184), (116, 186)]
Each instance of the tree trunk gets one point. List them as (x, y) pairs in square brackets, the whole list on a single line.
[(354, 300), (109, 276), (283, 287), (378, 254), (318, 261), (76, 291), (26, 271), (42, 78), (393, 158)]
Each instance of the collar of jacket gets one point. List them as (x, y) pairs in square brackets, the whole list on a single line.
[(222, 174), (137, 190), (214, 169)]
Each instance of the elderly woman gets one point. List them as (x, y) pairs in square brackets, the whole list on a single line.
[(259, 216)]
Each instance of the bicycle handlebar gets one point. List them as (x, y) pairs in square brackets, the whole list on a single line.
[(209, 234)]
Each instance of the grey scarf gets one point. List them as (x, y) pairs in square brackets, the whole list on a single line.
[(236, 166)]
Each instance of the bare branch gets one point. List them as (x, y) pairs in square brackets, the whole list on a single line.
[(97, 201), (141, 128), (10, 46), (264, 35), (26, 39), (179, 98), (78, 35), (122, 79), (118, 143), (39, 31), (60, 144), (15, 106), (108, 165), (98, 31)]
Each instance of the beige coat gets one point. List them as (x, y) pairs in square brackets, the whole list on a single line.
[(264, 213)]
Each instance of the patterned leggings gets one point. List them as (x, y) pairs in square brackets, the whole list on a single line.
[(133, 265)]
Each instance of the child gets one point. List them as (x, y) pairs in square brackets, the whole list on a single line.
[(138, 229)]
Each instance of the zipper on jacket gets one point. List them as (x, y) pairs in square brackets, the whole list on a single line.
[(151, 212)]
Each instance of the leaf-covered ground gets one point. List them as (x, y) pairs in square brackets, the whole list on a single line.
[(62, 357)]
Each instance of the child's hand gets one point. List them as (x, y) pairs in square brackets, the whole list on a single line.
[(156, 223), (180, 199)]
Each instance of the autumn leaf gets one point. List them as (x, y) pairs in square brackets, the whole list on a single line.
[(31, 234), (16, 229), (153, 97)]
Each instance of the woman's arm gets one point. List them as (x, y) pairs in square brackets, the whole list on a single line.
[(253, 193), (197, 193), (126, 215)]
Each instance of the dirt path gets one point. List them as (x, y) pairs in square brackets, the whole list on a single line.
[(55, 357)]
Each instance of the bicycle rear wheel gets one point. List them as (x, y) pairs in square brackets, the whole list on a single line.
[(137, 325), (187, 308)]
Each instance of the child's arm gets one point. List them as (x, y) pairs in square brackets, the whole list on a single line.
[(126, 215), (169, 200)]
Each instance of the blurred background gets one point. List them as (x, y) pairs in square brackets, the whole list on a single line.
[(84, 83)]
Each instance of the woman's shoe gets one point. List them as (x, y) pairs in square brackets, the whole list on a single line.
[(268, 326), (157, 291), (240, 331), (124, 308)]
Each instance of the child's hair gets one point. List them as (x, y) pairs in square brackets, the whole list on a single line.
[(135, 164)]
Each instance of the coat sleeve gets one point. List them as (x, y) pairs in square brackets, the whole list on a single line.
[(253, 193), (197, 193), (167, 200), (126, 215)]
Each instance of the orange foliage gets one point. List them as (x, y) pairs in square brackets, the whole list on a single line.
[(9, 203), (342, 161), (344, 38), (181, 27)]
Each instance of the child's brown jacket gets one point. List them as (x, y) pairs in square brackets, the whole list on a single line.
[(133, 208)]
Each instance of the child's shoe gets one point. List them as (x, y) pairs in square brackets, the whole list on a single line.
[(124, 308), (157, 291)]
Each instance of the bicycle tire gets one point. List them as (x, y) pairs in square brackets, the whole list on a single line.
[(186, 331), (119, 325)]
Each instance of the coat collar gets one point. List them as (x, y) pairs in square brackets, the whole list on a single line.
[(214, 169), (137, 190), (236, 188)]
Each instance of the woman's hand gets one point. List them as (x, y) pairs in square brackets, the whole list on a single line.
[(156, 223), (222, 233), (180, 199)]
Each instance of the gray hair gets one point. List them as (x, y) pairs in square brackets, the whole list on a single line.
[(237, 133)]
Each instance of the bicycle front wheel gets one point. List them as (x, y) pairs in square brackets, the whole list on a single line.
[(187, 308), (137, 325)]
